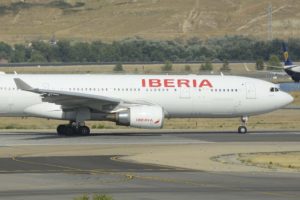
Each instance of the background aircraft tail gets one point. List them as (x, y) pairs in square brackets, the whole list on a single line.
[(287, 61)]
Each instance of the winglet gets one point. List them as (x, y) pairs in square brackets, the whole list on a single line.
[(22, 85)]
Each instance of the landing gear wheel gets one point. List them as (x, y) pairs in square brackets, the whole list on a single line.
[(61, 129), (69, 130), (84, 130), (242, 129)]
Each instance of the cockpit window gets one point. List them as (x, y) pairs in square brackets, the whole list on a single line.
[(274, 89)]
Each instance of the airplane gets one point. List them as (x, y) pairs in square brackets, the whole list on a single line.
[(140, 101), (292, 70), (289, 68)]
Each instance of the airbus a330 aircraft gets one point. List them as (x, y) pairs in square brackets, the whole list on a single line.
[(141, 101)]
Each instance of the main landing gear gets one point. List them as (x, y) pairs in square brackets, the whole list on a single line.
[(73, 129), (242, 128)]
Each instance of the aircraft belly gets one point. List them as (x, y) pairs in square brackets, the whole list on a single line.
[(202, 107), (217, 108)]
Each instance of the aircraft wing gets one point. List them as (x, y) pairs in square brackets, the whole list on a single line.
[(71, 100)]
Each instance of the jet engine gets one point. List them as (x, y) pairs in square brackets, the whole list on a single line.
[(150, 117)]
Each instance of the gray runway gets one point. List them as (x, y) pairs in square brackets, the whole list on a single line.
[(74, 164), (45, 178), (34, 138)]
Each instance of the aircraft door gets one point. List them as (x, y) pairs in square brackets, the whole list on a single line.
[(250, 91)]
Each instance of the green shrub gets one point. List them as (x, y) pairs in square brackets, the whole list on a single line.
[(225, 66), (102, 197), (207, 66), (187, 68), (118, 67), (83, 197), (167, 66), (11, 126), (95, 197), (260, 65), (100, 126), (274, 63)]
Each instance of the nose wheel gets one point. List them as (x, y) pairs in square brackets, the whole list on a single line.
[(243, 127)]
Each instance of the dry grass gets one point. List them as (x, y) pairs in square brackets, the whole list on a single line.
[(155, 19), (236, 68), (296, 96), (272, 160)]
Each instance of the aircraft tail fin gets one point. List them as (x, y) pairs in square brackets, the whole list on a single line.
[(287, 60)]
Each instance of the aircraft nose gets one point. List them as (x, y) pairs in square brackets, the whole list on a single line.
[(287, 98)]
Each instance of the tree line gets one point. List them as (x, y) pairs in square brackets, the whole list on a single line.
[(232, 48)]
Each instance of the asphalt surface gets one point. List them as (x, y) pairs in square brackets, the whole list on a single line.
[(75, 164), (166, 137), (39, 178)]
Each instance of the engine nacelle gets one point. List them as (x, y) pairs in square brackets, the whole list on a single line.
[(150, 117)]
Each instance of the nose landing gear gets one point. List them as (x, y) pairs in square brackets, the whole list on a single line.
[(73, 129), (243, 127)]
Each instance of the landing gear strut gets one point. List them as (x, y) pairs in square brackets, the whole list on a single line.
[(72, 129), (243, 127)]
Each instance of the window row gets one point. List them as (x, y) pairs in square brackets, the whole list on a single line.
[(136, 89)]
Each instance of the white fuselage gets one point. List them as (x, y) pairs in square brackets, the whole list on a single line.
[(179, 96)]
